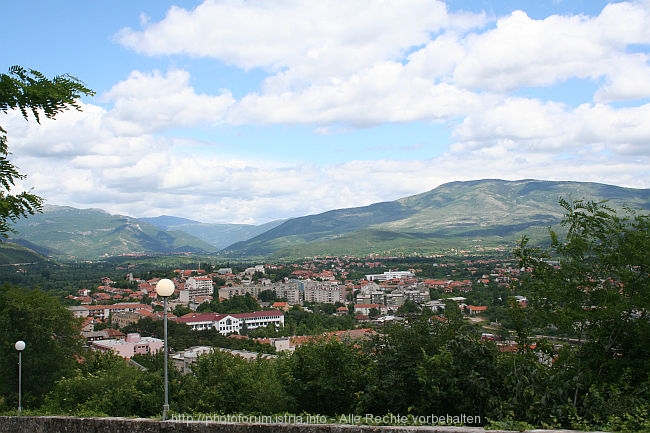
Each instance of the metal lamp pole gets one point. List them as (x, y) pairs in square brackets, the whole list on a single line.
[(20, 346), (164, 289)]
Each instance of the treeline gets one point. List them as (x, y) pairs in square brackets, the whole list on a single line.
[(429, 367)]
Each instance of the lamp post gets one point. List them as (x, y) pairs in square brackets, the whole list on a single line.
[(20, 346), (164, 289)]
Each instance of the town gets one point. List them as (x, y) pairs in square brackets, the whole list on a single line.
[(361, 289)]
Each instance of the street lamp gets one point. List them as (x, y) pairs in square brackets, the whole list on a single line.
[(20, 346), (164, 289)]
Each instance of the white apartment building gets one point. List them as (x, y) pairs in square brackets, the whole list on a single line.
[(196, 287), (200, 286)]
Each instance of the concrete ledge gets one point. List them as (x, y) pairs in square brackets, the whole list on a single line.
[(26, 424)]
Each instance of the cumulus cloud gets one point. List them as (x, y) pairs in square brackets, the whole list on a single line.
[(150, 102)]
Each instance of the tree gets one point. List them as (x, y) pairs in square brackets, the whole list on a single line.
[(106, 384), (596, 288), (268, 296), (325, 376), (181, 310), (227, 383), (394, 384), (52, 338), (29, 91)]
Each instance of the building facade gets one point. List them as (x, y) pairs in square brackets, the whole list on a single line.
[(232, 323)]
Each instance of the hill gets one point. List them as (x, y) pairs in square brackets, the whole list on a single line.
[(217, 235), (16, 255), (477, 215), (66, 232)]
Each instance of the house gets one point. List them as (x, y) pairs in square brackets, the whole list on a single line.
[(278, 305), (364, 309), (104, 311), (183, 361), (435, 306), (476, 309), (436, 284), (342, 311), (78, 311), (125, 318), (134, 344)]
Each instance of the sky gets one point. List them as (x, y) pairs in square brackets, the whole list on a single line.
[(249, 111)]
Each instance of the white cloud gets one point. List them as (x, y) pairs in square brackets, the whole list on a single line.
[(292, 33), (150, 102)]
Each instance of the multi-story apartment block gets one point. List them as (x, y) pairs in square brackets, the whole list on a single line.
[(240, 290), (197, 287), (289, 291), (417, 296), (322, 292), (371, 294)]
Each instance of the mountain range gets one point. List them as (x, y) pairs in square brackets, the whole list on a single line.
[(476, 215)]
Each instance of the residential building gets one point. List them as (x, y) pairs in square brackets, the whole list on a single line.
[(134, 344), (78, 311), (364, 309), (232, 323), (389, 275), (196, 287), (104, 311), (126, 318), (322, 292), (183, 361)]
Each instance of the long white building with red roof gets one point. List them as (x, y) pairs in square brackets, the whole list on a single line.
[(232, 323)]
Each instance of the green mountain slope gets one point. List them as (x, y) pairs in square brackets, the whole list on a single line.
[(14, 254), (462, 215), (91, 233)]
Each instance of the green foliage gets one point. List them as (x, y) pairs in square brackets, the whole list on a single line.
[(52, 340), (29, 91), (599, 293), (181, 310), (226, 383), (462, 377), (106, 384), (268, 296), (300, 322), (236, 304), (181, 336), (394, 384), (325, 376)]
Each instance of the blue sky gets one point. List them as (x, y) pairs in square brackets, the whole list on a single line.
[(236, 111)]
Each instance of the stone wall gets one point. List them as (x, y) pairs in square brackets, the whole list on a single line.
[(26, 424)]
